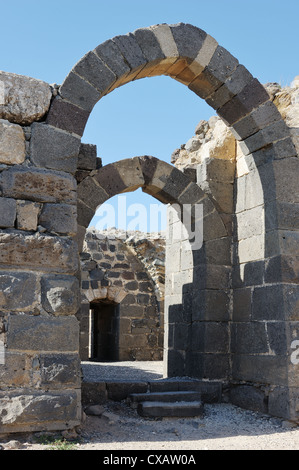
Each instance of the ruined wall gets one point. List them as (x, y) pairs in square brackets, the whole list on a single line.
[(39, 280), (260, 274), (112, 269), (232, 307)]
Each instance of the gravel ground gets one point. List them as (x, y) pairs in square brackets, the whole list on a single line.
[(223, 427), (119, 427)]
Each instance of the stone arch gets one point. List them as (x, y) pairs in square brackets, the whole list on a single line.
[(244, 347), (156, 177), (185, 53), (111, 272), (189, 55), (198, 271)]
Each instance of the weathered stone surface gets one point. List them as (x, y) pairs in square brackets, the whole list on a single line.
[(60, 370), (53, 149), (264, 137), (131, 51), (59, 218), (87, 159), (18, 291), (79, 92), (38, 410), (91, 194), (249, 397), (189, 40), (67, 116), (7, 212), (25, 99), (27, 215), (111, 55), (95, 72), (60, 295), (38, 251), (15, 371), (36, 333), (251, 97), (38, 185), (93, 393), (12, 143)]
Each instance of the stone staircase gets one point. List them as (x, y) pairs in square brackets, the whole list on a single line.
[(173, 397), (167, 404)]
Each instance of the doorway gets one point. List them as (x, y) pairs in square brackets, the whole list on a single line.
[(104, 331)]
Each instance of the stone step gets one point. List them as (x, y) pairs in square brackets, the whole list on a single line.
[(99, 392), (159, 409), (171, 397)]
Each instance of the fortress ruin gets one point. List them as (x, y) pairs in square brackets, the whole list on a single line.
[(230, 311)]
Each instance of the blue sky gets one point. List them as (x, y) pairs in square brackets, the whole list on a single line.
[(150, 116)]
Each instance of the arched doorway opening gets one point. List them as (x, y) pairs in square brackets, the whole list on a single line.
[(104, 331), (250, 349)]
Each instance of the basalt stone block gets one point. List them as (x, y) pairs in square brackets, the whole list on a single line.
[(85, 214), (18, 291), (60, 370), (265, 369), (242, 305), (95, 72), (67, 116), (53, 149), (277, 338), (60, 295), (59, 218), (259, 118), (118, 391), (87, 159), (210, 337), (222, 64), (210, 305), (188, 39), (15, 370), (264, 137), (79, 92), (38, 185), (282, 268), (232, 86), (42, 252), (249, 338), (8, 209), (279, 403), (39, 410), (36, 333), (130, 50), (149, 44), (252, 96), (91, 193), (110, 180), (249, 398), (281, 215), (276, 151), (111, 55), (93, 393), (205, 84)]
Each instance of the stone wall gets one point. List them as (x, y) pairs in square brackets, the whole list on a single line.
[(262, 280), (231, 307), (116, 267), (39, 278)]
